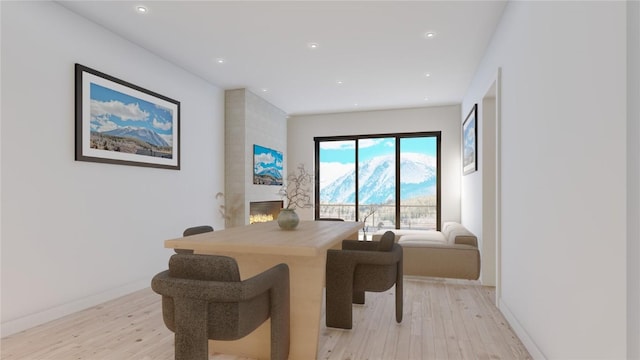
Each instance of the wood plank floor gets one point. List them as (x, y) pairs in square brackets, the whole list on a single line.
[(443, 319)]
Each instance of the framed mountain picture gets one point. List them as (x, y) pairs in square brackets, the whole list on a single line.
[(267, 166), (470, 142), (121, 123)]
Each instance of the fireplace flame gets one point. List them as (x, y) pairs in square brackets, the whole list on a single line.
[(260, 218)]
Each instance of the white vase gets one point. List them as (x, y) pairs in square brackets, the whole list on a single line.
[(288, 219)]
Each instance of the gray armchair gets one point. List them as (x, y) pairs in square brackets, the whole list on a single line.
[(203, 298), (361, 266), (193, 231)]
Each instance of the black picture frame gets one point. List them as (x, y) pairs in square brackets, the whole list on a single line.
[(121, 123), (470, 142)]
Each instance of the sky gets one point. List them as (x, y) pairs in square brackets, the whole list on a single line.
[(337, 157), (264, 158), (111, 109), (344, 151)]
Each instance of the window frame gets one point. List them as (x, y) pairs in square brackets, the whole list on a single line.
[(398, 136)]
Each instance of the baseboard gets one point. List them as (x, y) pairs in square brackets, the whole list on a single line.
[(528, 343), (26, 322)]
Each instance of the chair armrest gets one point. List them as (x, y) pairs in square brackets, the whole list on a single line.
[(365, 257), (219, 291), (264, 281), (360, 245)]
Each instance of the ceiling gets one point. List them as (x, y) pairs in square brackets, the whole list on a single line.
[(369, 54)]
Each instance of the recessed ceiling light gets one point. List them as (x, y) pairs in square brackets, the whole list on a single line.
[(265, 90), (427, 74), (141, 9), (430, 35), (426, 98), (339, 82), (356, 104), (313, 45), (220, 60)]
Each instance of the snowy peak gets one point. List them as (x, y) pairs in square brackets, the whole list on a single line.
[(146, 135), (270, 172), (377, 180), (417, 168)]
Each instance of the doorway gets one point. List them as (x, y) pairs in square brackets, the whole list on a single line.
[(491, 219)]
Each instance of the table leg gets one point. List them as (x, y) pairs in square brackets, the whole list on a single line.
[(306, 287)]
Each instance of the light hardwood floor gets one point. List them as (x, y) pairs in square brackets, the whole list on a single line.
[(443, 319)]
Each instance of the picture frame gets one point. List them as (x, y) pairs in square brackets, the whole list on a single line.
[(121, 123), (267, 166), (470, 142)]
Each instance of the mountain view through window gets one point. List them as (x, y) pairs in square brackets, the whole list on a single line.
[(393, 186)]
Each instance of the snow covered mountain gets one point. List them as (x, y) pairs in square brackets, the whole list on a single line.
[(377, 180), (143, 134), (270, 172)]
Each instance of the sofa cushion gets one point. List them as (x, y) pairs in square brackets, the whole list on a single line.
[(400, 233), (448, 227), (422, 239), (452, 233), (447, 224)]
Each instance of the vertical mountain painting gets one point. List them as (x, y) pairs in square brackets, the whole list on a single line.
[(267, 166), (469, 142)]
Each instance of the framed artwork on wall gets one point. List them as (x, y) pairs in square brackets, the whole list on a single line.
[(267, 166), (121, 123), (470, 142)]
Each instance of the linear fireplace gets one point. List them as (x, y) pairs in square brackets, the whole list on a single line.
[(263, 211)]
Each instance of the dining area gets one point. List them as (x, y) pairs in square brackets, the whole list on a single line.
[(259, 247), (443, 318)]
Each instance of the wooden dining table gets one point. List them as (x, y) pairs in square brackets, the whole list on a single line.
[(259, 246)]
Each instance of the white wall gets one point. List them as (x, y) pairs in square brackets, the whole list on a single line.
[(633, 179), (302, 129), (563, 151), (75, 234)]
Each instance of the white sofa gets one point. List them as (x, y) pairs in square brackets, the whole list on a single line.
[(449, 253)]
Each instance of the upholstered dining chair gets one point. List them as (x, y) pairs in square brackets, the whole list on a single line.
[(193, 231), (197, 230), (203, 298), (358, 267)]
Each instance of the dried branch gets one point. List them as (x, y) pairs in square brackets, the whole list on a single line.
[(373, 208), (227, 213), (297, 189)]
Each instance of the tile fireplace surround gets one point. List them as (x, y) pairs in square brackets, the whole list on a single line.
[(249, 120)]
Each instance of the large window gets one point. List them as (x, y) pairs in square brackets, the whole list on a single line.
[(389, 181)]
